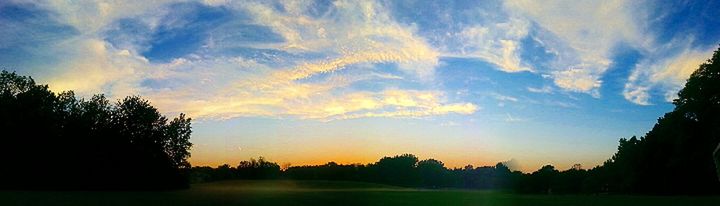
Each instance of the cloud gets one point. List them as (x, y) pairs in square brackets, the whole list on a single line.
[(582, 35), (497, 43), (637, 94), (578, 79), (467, 29), (212, 84), (543, 90), (513, 164), (575, 40), (510, 118), (287, 98), (308, 59), (466, 108), (299, 75), (348, 32), (449, 124), (90, 17), (666, 73), (308, 69), (97, 67), (577, 37), (504, 98)]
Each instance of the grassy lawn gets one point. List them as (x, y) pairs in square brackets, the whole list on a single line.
[(326, 193)]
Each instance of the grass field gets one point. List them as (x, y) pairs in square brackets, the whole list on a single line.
[(326, 193)]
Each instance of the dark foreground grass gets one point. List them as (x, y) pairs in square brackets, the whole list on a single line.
[(326, 193)]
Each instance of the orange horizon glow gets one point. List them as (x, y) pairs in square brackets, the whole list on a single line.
[(365, 159)]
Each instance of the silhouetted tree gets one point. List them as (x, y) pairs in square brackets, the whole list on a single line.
[(541, 181), (505, 179), (570, 181), (676, 156), (258, 169), (61, 142), (329, 171), (433, 173), (397, 170)]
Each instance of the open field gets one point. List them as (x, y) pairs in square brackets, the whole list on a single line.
[(326, 193)]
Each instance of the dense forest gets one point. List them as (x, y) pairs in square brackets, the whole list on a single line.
[(678, 156), (57, 141)]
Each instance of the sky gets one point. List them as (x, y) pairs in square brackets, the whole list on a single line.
[(301, 82)]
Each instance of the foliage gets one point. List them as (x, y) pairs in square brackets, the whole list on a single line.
[(676, 156), (258, 169), (400, 170), (57, 141)]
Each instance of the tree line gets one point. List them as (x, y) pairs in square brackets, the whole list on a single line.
[(57, 141), (679, 155), (405, 170)]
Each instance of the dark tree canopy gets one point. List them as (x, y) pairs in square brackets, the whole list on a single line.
[(676, 156), (432, 173), (258, 169), (398, 170), (57, 141)]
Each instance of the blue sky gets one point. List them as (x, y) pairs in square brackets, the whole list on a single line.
[(306, 82)]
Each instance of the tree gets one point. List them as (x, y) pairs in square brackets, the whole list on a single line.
[(676, 156), (699, 102), (433, 173), (258, 169), (57, 141), (398, 170), (542, 180)]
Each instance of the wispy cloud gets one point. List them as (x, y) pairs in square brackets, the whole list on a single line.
[(542, 90), (212, 84), (308, 60), (666, 73), (510, 118), (504, 98), (497, 43), (582, 35)]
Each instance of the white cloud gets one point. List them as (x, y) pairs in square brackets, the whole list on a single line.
[(543, 90), (582, 34), (578, 79), (92, 16), (306, 70), (97, 67), (222, 87), (637, 94), (497, 43), (667, 73), (510, 118), (504, 98), (466, 108), (353, 34), (287, 98)]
